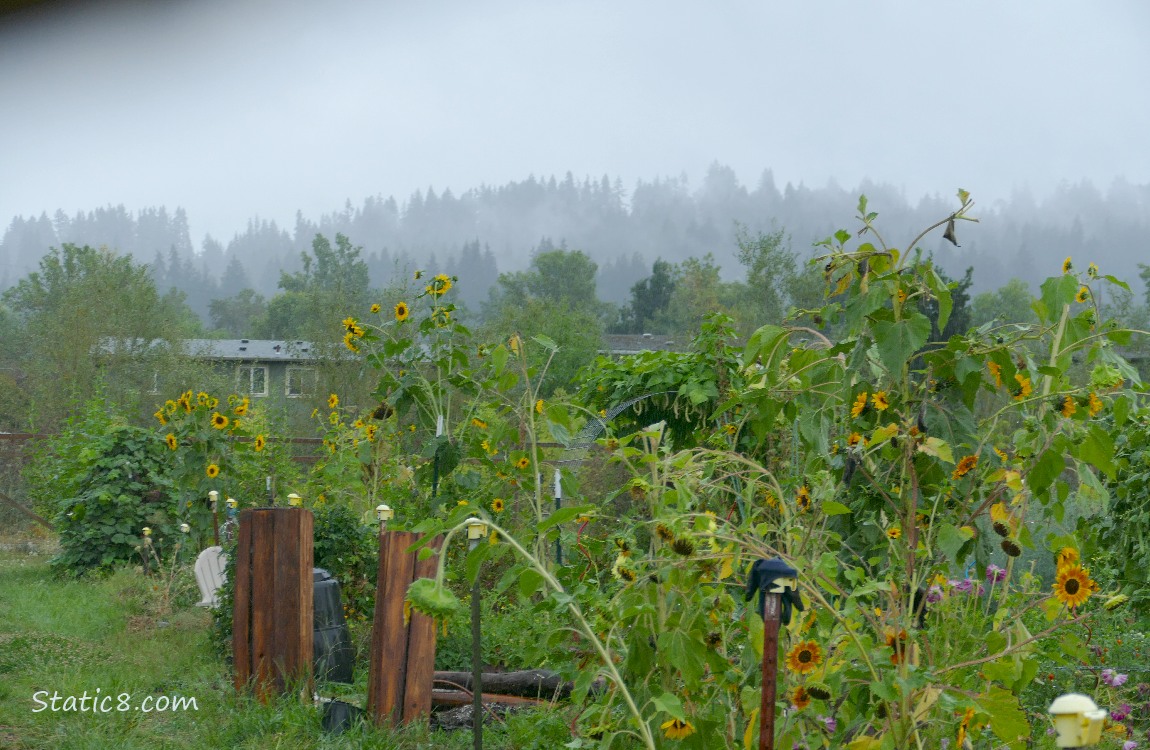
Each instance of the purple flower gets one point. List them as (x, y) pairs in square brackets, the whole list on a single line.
[(1113, 679), (995, 574), (830, 723), (934, 594), (965, 585), (1121, 713), (1143, 689), (1129, 745)]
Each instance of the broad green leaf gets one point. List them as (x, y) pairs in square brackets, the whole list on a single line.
[(951, 539), (529, 581), (1007, 719), (670, 705), (545, 342), (1046, 469), (865, 743), (833, 508), (897, 341), (938, 448), (1098, 450), (563, 515)]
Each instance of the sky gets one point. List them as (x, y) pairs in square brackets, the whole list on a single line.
[(234, 109)]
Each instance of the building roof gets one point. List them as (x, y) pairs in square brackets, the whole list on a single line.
[(622, 344), (264, 350)]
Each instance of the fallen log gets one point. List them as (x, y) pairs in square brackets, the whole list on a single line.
[(535, 683), (463, 698)]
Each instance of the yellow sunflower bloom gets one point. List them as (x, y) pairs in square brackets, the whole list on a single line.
[(212, 471), (1068, 407), (996, 371), (803, 499), (964, 466), (894, 532), (1073, 585), (879, 401), (800, 698), (1083, 294), (242, 407), (1066, 556), (401, 311), (219, 421), (159, 415), (172, 442), (1067, 266), (350, 324), (539, 406), (1094, 404), (375, 308), (522, 463), (497, 505), (1024, 387), (259, 443), (860, 404), (676, 729), (478, 423), (804, 657), (332, 401), (349, 342)]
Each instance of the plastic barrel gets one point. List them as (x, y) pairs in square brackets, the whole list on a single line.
[(334, 656)]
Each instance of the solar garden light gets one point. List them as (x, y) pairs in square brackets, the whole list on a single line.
[(295, 500), (214, 502), (214, 497), (384, 513), (476, 530), (233, 503), (1077, 719)]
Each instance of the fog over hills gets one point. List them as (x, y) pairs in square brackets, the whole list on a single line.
[(489, 229)]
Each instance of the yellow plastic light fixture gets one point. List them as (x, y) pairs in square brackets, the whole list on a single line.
[(233, 503), (476, 530), (384, 513), (1077, 720), (214, 496), (295, 500)]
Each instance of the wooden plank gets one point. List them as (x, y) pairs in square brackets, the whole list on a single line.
[(38, 519), (285, 598), (307, 600), (770, 671), (263, 594), (376, 655), (463, 698), (388, 666), (420, 645), (242, 604)]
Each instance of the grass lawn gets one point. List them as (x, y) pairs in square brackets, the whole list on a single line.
[(108, 634)]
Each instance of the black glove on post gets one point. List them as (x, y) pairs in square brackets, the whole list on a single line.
[(762, 578)]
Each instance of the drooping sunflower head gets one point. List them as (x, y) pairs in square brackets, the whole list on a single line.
[(172, 442), (803, 499), (677, 729), (219, 421), (1010, 547), (897, 643), (1093, 403), (1083, 294), (1073, 586), (260, 442), (804, 657), (860, 404), (1001, 528), (1065, 556), (350, 343), (401, 311), (242, 407), (664, 532), (819, 690), (1024, 388), (965, 465), (800, 698), (1067, 407), (1092, 270), (683, 546), (1067, 266)]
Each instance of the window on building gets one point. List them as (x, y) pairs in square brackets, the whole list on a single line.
[(252, 380), (300, 381)]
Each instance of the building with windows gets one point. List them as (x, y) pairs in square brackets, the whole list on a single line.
[(262, 367)]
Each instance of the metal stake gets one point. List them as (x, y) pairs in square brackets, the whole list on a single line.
[(770, 671)]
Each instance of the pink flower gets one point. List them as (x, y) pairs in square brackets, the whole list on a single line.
[(995, 574)]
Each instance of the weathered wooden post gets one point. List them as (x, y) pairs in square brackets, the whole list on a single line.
[(273, 611), (402, 652), (774, 581)]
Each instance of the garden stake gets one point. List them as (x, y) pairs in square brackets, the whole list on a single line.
[(215, 499), (476, 530), (558, 505), (774, 581)]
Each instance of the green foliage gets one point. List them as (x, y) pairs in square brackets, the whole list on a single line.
[(122, 485), (1010, 303), (649, 299), (349, 550)]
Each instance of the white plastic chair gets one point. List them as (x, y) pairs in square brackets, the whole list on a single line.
[(210, 575)]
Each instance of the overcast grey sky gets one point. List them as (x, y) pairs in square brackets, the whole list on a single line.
[(238, 108)]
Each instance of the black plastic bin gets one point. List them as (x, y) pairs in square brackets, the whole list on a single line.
[(333, 654)]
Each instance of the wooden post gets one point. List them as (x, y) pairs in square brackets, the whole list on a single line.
[(272, 634), (402, 655), (770, 671)]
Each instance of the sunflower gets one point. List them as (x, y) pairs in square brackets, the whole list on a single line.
[(332, 401), (1083, 294), (803, 499), (440, 285), (677, 729), (800, 697), (1067, 266), (894, 532), (497, 505), (1066, 556), (186, 401), (159, 415), (664, 532), (212, 471), (259, 443), (539, 406), (202, 398), (683, 546), (714, 639), (441, 316), (964, 466), (170, 406), (897, 643), (219, 421), (1010, 547), (350, 325), (1068, 407), (401, 311), (879, 401), (522, 463), (819, 690), (1093, 404), (1073, 586), (349, 342), (1092, 271), (171, 441), (242, 407), (996, 371), (855, 439), (375, 308), (804, 657), (860, 405), (370, 431), (418, 275), (1024, 387), (1001, 529)]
